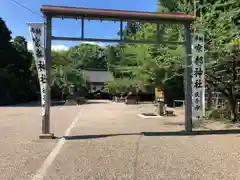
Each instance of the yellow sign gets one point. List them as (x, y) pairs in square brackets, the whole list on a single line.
[(159, 92)]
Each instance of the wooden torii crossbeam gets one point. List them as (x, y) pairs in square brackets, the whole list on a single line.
[(115, 15), (51, 12), (90, 13)]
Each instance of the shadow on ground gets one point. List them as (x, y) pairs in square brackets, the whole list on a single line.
[(54, 103), (97, 136), (96, 102), (170, 133), (36, 104)]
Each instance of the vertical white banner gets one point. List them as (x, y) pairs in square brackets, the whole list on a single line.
[(37, 35), (198, 79)]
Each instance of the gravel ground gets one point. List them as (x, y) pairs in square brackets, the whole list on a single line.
[(21, 152), (128, 154), (111, 142)]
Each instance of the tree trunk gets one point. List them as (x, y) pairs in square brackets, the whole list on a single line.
[(209, 98), (62, 96), (233, 109), (234, 101)]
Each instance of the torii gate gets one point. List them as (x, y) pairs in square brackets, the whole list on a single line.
[(51, 12)]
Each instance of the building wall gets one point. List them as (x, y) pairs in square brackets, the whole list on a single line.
[(97, 79), (98, 76)]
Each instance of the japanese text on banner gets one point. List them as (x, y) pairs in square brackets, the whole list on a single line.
[(198, 75), (36, 32)]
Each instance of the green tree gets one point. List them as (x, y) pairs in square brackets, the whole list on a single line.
[(87, 56), (219, 20), (66, 76), (22, 69), (119, 86), (60, 58), (15, 63), (5, 45)]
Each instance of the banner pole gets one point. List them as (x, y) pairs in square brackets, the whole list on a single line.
[(47, 41), (42, 56)]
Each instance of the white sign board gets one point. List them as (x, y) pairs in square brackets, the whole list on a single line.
[(36, 33), (198, 80)]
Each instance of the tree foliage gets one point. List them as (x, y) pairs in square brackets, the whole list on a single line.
[(220, 20), (17, 84), (87, 56), (141, 66)]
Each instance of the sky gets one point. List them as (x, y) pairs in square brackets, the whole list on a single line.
[(16, 18)]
